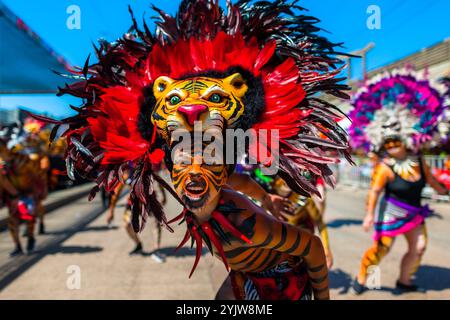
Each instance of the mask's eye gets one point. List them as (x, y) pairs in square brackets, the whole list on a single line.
[(215, 98), (174, 100)]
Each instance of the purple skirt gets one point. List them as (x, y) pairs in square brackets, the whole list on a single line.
[(396, 217)]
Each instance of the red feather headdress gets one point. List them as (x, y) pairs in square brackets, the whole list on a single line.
[(269, 40)]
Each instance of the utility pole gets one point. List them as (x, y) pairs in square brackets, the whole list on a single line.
[(361, 53)]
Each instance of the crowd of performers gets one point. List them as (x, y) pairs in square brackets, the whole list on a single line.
[(26, 177), (259, 66)]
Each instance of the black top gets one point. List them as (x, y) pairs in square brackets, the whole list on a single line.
[(406, 191)]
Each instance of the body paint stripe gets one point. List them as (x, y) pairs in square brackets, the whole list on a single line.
[(307, 248), (283, 238), (264, 262), (295, 245), (318, 280), (316, 269), (265, 242), (251, 262), (234, 252), (275, 258), (247, 257)]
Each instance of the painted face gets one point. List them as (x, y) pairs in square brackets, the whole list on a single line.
[(181, 102), (395, 148), (196, 182)]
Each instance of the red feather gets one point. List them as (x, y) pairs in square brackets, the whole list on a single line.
[(206, 227), (227, 225), (187, 235), (116, 131), (198, 248), (178, 217)]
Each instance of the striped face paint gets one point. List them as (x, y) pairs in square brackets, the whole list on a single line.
[(195, 181), (181, 102)]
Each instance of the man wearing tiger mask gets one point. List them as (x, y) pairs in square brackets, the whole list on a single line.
[(258, 66)]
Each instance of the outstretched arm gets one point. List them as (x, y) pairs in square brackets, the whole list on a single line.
[(323, 231), (320, 201), (270, 202), (379, 181), (432, 181), (245, 184)]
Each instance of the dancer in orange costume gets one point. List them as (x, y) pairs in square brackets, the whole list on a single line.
[(20, 171), (405, 113)]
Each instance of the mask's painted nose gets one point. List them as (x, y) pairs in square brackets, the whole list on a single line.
[(192, 112)]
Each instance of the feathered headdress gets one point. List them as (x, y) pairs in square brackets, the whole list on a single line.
[(278, 48), (32, 125), (395, 105), (443, 137), (25, 137)]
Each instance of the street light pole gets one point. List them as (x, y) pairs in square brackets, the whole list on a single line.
[(363, 54)]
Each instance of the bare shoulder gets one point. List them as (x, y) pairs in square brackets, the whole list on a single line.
[(245, 206), (229, 195), (385, 169)]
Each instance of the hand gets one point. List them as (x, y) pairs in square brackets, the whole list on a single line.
[(281, 207), (368, 222)]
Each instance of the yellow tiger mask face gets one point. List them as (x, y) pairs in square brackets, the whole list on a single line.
[(179, 103)]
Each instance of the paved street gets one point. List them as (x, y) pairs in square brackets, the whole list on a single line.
[(349, 241), (77, 236)]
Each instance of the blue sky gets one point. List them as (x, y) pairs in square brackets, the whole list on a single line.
[(406, 26)]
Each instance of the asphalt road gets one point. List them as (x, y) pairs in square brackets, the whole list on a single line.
[(79, 244)]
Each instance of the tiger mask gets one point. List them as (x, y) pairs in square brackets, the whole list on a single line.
[(179, 103)]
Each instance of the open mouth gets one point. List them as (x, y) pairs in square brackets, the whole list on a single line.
[(195, 189), (393, 149)]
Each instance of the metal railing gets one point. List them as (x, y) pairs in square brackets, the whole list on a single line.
[(436, 162), (359, 175)]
